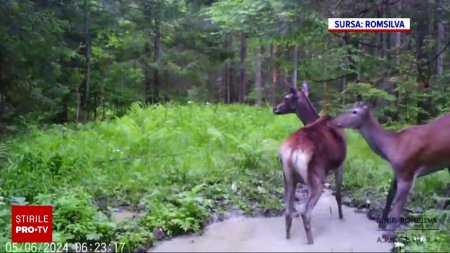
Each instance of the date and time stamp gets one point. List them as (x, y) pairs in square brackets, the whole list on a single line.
[(65, 247)]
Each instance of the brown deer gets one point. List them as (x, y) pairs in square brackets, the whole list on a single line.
[(413, 152), (308, 155)]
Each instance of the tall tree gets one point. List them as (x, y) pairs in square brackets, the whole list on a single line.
[(295, 65), (259, 74), (84, 97), (157, 51), (243, 68), (440, 37), (146, 57)]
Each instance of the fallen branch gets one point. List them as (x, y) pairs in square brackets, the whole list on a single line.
[(138, 157)]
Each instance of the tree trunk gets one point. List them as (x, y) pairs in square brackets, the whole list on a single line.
[(95, 108), (343, 82), (65, 112), (276, 72), (2, 87), (396, 37), (62, 116), (102, 96), (2, 101), (227, 70), (233, 91), (271, 74), (258, 77), (396, 43), (326, 98), (388, 42), (223, 79), (283, 72), (385, 41), (440, 39), (77, 112), (84, 110), (347, 41), (243, 68), (145, 60), (423, 77), (195, 5), (295, 66), (157, 53)]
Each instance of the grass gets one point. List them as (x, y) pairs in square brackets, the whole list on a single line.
[(176, 164)]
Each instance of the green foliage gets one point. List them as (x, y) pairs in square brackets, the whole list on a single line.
[(177, 168), (157, 158), (75, 218), (134, 236), (180, 213), (366, 92), (430, 236), (5, 220)]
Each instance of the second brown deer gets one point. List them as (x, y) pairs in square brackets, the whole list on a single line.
[(308, 155), (413, 152)]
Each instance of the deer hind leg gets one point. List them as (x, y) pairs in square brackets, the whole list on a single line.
[(403, 189), (315, 188), (447, 203), (390, 197), (289, 190), (338, 181)]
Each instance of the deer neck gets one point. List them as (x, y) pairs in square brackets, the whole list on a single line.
[(379, 139), (305, 111)]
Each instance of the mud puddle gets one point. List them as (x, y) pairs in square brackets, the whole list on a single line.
[(353, 234)]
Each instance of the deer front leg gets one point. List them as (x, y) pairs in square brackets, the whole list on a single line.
[(338, 181), (403, 189), (387, 207), (289, 190), (315, 188)]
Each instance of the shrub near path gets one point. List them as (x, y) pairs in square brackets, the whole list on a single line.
[(173, 164)]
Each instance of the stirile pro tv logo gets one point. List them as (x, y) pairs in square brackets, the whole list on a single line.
[(31, 224)]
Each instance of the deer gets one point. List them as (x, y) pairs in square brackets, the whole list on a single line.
[(412, 152), (308, 156)]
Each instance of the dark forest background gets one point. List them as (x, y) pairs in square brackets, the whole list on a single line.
[(75, 61)]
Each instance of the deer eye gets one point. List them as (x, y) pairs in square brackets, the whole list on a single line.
[(355, 112)]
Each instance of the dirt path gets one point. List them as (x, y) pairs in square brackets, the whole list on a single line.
[(354, 234)]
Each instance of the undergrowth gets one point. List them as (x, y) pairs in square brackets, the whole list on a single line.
[(174, 164)]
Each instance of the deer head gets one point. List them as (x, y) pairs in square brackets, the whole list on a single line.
[(293, 100), (353, 117)]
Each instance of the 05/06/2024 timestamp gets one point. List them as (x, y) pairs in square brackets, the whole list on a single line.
[(65, 247)]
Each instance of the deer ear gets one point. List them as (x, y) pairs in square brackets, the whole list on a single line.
[(293, 90), (305, 88)]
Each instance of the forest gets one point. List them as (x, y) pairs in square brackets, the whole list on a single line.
[(164, 108)]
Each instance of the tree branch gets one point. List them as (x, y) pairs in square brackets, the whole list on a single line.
[(138, 157), (357, 41), (327, 80), (377, 6), (437, 55)]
